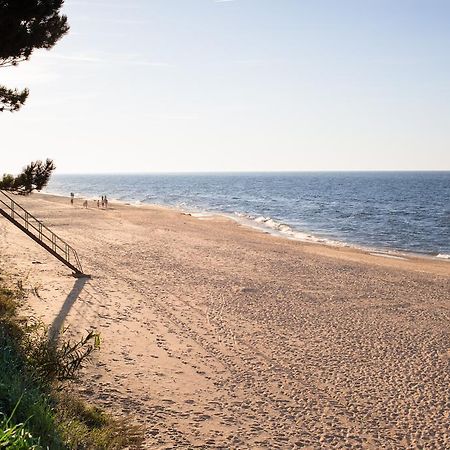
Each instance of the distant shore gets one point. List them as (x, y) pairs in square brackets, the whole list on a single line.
[(219, 336)]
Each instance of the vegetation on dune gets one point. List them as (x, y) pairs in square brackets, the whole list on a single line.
[(36, 412)]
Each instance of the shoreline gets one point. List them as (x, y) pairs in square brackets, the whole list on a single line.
[(246, 221)]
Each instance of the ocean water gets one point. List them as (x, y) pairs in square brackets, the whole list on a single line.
[(387, 211)]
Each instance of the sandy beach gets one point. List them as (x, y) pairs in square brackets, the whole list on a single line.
[(215, 335)]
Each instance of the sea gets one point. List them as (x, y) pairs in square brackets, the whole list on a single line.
[(390, 212)]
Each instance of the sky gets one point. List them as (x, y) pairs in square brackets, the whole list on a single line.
[(237, 85)]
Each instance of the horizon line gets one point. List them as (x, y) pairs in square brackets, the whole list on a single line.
[(212, 172)]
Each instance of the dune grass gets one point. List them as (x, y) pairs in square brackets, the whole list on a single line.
[(36, 412)]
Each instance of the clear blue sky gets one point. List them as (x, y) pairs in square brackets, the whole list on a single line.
[(204, 85)]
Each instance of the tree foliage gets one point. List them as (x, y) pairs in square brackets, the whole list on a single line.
[(35, 176), (12, 99), (26, 25)]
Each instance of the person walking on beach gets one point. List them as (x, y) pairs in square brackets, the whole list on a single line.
[(98, 203), (85, 204), (103, 201), (72, 195), (106, 202)]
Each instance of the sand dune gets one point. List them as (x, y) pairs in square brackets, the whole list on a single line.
[(218, 336)]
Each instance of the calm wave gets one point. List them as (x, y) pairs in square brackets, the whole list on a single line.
[(404, 211)]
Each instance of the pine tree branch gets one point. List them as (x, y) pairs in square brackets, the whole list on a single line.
[(12, 99), (26, 25), (11, 62)]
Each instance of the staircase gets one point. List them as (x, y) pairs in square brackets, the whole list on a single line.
[(37, 231)]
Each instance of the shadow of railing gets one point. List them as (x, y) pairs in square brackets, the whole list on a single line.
[(73, 295)]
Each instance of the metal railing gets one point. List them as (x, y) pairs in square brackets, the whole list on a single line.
[(34, 226)]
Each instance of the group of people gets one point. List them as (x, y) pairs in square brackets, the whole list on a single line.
[(103, 202)]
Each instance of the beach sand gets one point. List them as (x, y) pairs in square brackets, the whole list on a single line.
[(219, 336)]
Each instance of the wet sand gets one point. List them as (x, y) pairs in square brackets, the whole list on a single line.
[(219, 336)]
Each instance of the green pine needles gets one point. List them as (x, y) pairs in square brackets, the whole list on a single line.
[(35, 176), (26, 25)]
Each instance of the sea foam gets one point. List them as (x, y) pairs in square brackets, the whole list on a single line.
[(278, 228)]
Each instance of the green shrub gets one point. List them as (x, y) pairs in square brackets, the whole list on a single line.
[(34, 411), (56, 361), (25, 402)]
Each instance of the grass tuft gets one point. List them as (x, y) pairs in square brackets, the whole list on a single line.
[(8, 303), (103, 432)]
